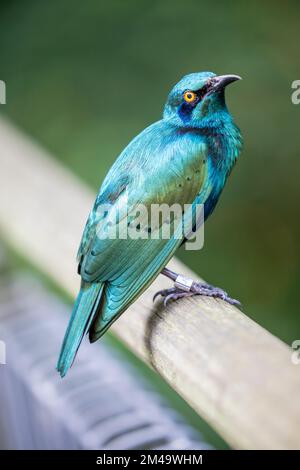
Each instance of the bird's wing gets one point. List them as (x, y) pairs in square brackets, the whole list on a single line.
[(154, 169)]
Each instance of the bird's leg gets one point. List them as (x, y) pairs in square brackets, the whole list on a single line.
[(186, 287)]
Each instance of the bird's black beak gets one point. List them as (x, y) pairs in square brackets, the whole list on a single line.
[(220, 82)]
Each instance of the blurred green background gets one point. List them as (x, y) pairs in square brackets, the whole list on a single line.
[(83, 78)]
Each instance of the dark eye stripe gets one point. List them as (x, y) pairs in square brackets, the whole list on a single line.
[(202, 91), (185, 111)]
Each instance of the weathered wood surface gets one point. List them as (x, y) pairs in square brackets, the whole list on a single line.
[(233, 372)]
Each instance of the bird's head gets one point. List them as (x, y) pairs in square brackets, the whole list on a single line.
[(197, 99)]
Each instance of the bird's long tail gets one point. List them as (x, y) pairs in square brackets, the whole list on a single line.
[(82, 316)]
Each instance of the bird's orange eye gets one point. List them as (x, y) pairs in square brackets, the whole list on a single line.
[(189, 96)]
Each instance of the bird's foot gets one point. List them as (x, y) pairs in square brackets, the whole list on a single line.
[(172, 294), (199, 288), (191, 288)]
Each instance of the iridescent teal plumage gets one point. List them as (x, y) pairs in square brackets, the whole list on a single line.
[(185, 158)]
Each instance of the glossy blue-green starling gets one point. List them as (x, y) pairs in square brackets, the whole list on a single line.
[(185, 158)]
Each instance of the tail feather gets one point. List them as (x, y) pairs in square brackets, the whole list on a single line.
[(83, 313)]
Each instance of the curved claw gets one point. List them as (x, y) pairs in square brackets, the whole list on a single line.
[(164, 293), (235, 302), (167, 299), (156, 295)]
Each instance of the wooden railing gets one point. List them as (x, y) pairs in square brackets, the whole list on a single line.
[(233, 372)]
